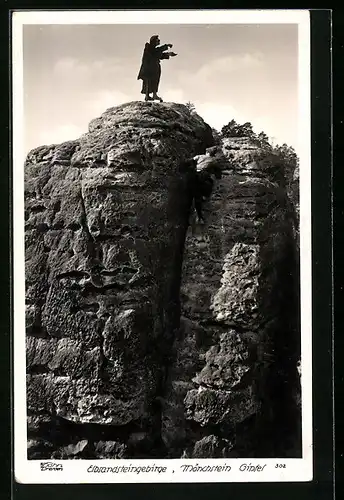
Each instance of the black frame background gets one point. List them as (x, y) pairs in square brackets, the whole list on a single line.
[(322, 485)]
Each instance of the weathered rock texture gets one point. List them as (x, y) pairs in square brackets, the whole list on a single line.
[(149, 335), (234, 380)]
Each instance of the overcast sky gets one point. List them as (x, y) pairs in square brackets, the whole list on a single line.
[(73, 73)]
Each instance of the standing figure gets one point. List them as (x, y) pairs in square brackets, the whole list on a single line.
[(150, 70)]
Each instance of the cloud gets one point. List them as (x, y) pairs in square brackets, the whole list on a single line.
[(104, 99), (102, 69), (56, 135), (65, 64), (232, 63), (174, 95), (94, 106), (218, 68), (215, 114)]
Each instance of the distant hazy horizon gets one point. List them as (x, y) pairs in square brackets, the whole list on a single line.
[(73, 73)]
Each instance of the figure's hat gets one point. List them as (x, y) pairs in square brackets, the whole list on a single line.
[(153, 38)]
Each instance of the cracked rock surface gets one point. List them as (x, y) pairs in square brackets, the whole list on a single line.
[(147, 334), (240, 333)]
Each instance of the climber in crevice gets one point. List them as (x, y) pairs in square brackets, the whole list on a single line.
[(201, 183), (150, 70), (209, 168), (203, 189)]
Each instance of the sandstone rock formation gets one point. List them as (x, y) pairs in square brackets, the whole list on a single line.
[(239, 336), (149, 335)]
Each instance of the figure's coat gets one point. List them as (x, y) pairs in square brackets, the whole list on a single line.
[(150, 70)]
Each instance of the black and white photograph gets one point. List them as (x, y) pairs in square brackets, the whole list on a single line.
[(162, 236)]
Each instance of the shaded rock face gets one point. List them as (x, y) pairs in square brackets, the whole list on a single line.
[(106, 218), (149, 335)]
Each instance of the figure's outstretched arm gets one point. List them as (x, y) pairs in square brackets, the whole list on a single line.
[(162, 48), (167, 55), (161, 51)]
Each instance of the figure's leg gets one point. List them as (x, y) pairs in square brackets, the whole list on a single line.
[(155, 86), (146, 91), (157, 98), (198, 207)]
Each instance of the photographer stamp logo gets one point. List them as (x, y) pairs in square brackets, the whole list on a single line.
[(51, 466)]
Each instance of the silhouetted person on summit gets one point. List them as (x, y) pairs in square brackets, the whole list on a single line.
[(150, 70)]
